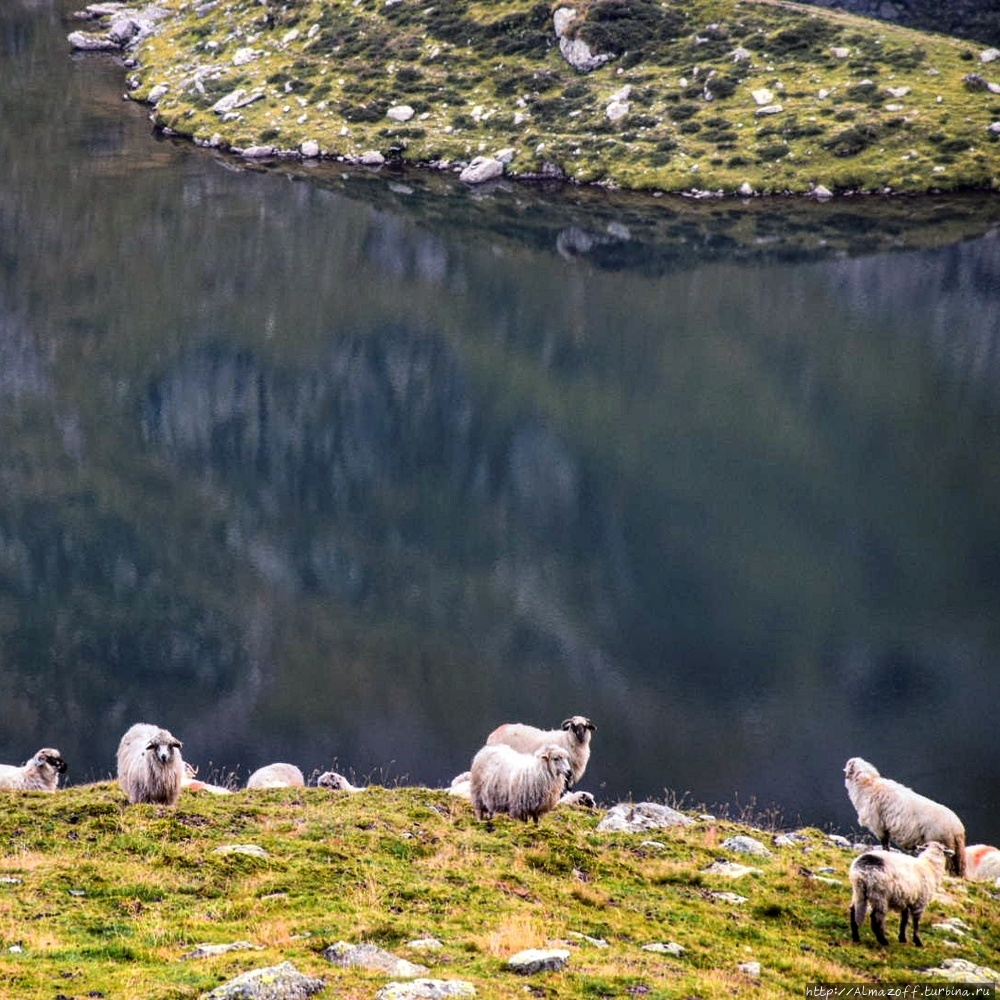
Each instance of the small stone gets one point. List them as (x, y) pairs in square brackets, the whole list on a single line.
[(616, 110), (258, 153), (993, 88), (665, 948), (424, 944), (534, 960), (823, 93), (15, 949), (640, 816), (745, 190), (975, 81), (994, 128), (400, 113), (762, 96), (961, 970), (596, 942), (740, 55), (729, 897), (821, 193), (11, 880), (244, 55), (211, 950), (372, 158), (252, 850), (770, 109), (370, 956), (894, 107), (897, 91), (505, 155), (751, 969), (157, 92), (309, 149), (839, 52), (839, 841), (85, 41), (426, 989), (989, 55), (790, 839), (730, 869)]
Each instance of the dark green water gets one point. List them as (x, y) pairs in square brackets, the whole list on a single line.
[(346, 470)]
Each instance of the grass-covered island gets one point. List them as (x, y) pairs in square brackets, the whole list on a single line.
[(102, 899), (693, 95)]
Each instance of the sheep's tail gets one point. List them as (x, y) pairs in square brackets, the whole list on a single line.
[(957, 861)]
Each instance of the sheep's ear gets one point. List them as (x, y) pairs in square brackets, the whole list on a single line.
[(176, 743), (567, 724), (150, 745)]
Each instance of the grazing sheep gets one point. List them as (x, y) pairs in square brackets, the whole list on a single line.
[(982, 863), (337, 783), (461, 785), (40, 774), (276, 776), (894, 812), (150, 766), (573, 736), (887, 880), (192, 783), (524, 785)]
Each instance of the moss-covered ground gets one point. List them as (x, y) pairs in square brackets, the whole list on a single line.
[(102, 899), (864, 105)]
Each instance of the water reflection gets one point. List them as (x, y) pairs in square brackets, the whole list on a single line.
[(348, 469)]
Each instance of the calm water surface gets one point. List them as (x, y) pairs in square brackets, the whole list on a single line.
[(345, 470)]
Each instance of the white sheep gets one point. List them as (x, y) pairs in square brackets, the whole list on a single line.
[(524, 785), (337, 783), (896, 813), (888, 880), (40, 774), (461, 786), (150, 766), (982, 863), (192, 783), (573, 736), (276, 776)]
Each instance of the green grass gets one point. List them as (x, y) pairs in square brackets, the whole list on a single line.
[(483, 76), (104, 899)]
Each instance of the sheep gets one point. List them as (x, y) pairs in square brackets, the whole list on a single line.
[(150, 766), (461, 785), (337, 783), (573, 736), (982, 863), (192, 783), (276, 776), (40, 774), (887, 880), (524, 785), (894, 812)]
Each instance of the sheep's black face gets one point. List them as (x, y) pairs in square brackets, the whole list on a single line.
[(57, 763), (581, 727)]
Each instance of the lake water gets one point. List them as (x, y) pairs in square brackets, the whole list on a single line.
[(345, 469)]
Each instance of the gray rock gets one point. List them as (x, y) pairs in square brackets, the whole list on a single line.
[(309, 149), (85, 41), (746, 845), (277, 982), (616, 110), (790, 840), (989, 55), (425, 944), (770, 109), (157, 92), (751, 969), (587, 939), (210, 950), (534, 960), (426, 989), (729, 897), (729, 869), (575, 50), (123, 29), (244, 55), (236, 99), (839, 52), (665, 948), (838, 841), (627, 817), (745, 190), (740, 54), (400, 113), (821, 192), (372, 158), (251, 850), (994, 128), (897, 91), (481, 169), (259, 152), (369, 956), (961, 970), (975, 81), (762, 96)]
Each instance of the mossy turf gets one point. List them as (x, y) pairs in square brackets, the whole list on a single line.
[(98, 898), (864, 105)]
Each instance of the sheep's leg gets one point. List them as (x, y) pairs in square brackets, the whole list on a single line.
[(878, 924), (902, 924), (856, 922), (916, 925), (885, 841)]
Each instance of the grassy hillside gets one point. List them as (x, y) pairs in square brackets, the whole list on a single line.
[(696, 95), (100, 899)]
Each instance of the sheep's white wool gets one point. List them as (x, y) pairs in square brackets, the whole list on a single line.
[(150, 766), (276, 776), (336, 782), (573, 736), (896, 813), (886, 880), (982, 862), (524, 785), (40, 774)]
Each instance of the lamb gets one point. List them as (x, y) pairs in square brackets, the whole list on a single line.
[(337, 783), (573, 736), (40, 774), (193, 783), (982, 863), (150, 766), (897, 813), (524, 785), (276, 776), (886, 880)]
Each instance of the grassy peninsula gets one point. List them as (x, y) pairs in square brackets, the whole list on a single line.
[(695, 95), (100, 899)]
